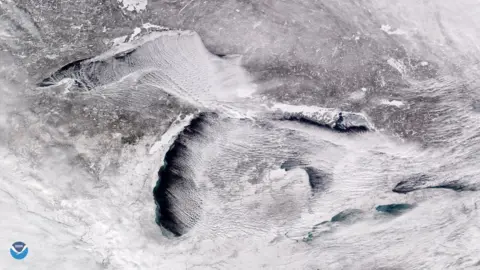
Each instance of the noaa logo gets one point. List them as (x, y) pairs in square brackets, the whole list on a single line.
[(19, 250)]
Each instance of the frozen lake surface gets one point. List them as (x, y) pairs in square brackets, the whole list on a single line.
[(190, 134)]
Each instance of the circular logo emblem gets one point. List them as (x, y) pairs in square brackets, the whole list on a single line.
[(19, 250)]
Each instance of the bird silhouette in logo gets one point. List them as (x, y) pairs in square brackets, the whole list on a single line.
[(19, 250)]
